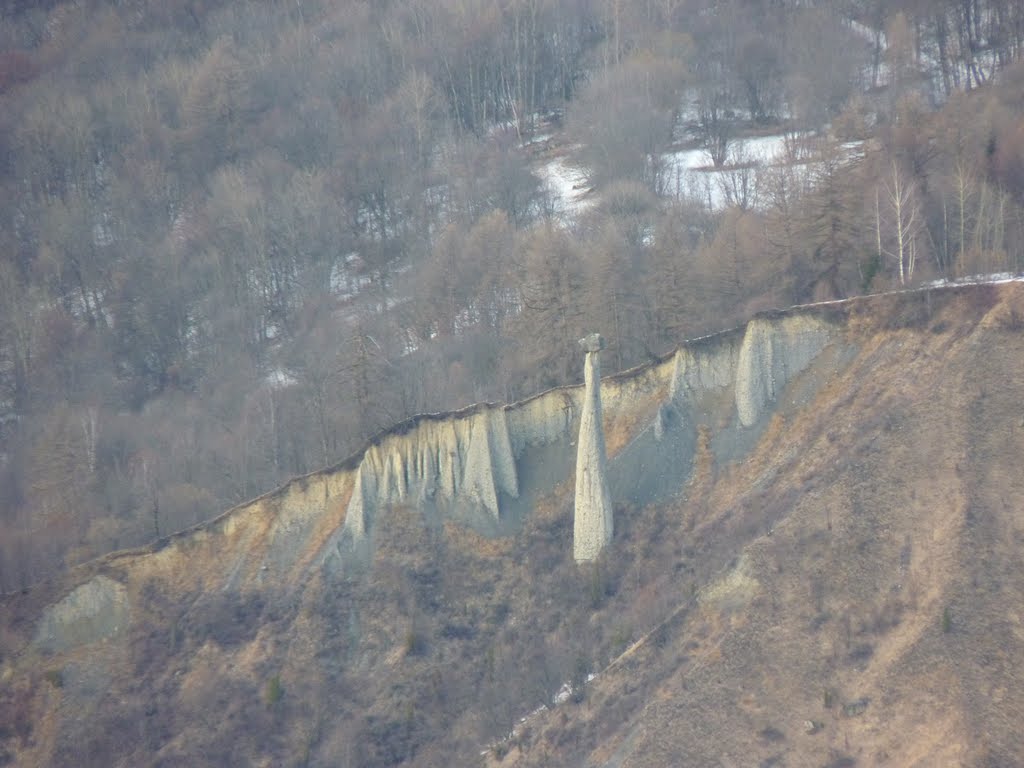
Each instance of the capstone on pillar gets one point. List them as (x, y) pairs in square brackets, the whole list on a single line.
[(592, 519)]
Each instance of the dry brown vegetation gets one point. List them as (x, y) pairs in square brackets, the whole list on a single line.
[(845, 595)]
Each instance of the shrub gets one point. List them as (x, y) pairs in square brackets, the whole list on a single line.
[(772, 734), (862, 652), (415, 644), (578, 682), (855, 708), (55, 677), (274, 691)]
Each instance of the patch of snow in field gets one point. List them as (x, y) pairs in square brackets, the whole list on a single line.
[(687, 173), (690, 173), (567, 185), (686, 160), (763, 149), (854, 150)]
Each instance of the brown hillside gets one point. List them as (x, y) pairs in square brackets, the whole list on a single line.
[(836, 583), (874, 618)]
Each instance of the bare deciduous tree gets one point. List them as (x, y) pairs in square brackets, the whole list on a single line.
[(902, 214)]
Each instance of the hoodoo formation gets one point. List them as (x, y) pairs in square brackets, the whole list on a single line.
[(592, 521)]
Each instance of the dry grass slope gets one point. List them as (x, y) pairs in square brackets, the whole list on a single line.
[(875, 618), (849, 592)]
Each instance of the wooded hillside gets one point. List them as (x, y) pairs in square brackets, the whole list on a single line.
[(237, 239)]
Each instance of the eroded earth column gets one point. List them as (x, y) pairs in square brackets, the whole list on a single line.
[(592, 520)]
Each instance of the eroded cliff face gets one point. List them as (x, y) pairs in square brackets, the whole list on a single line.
[(399, 581), (481, 467), (441, 461), (484, 470), (93, 612), (773, 352)]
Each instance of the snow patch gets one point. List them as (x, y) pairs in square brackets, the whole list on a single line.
[(567, 185), (992, 279), (689, 173)]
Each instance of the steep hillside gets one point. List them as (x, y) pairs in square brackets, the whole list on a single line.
[(874, 618), (815, 562)]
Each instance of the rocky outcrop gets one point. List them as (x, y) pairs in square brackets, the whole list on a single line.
[(440, 460), (757, 365), (471, 460), (592, 520), (461, 459), (704, 365), (97, 610), (774, 350)]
